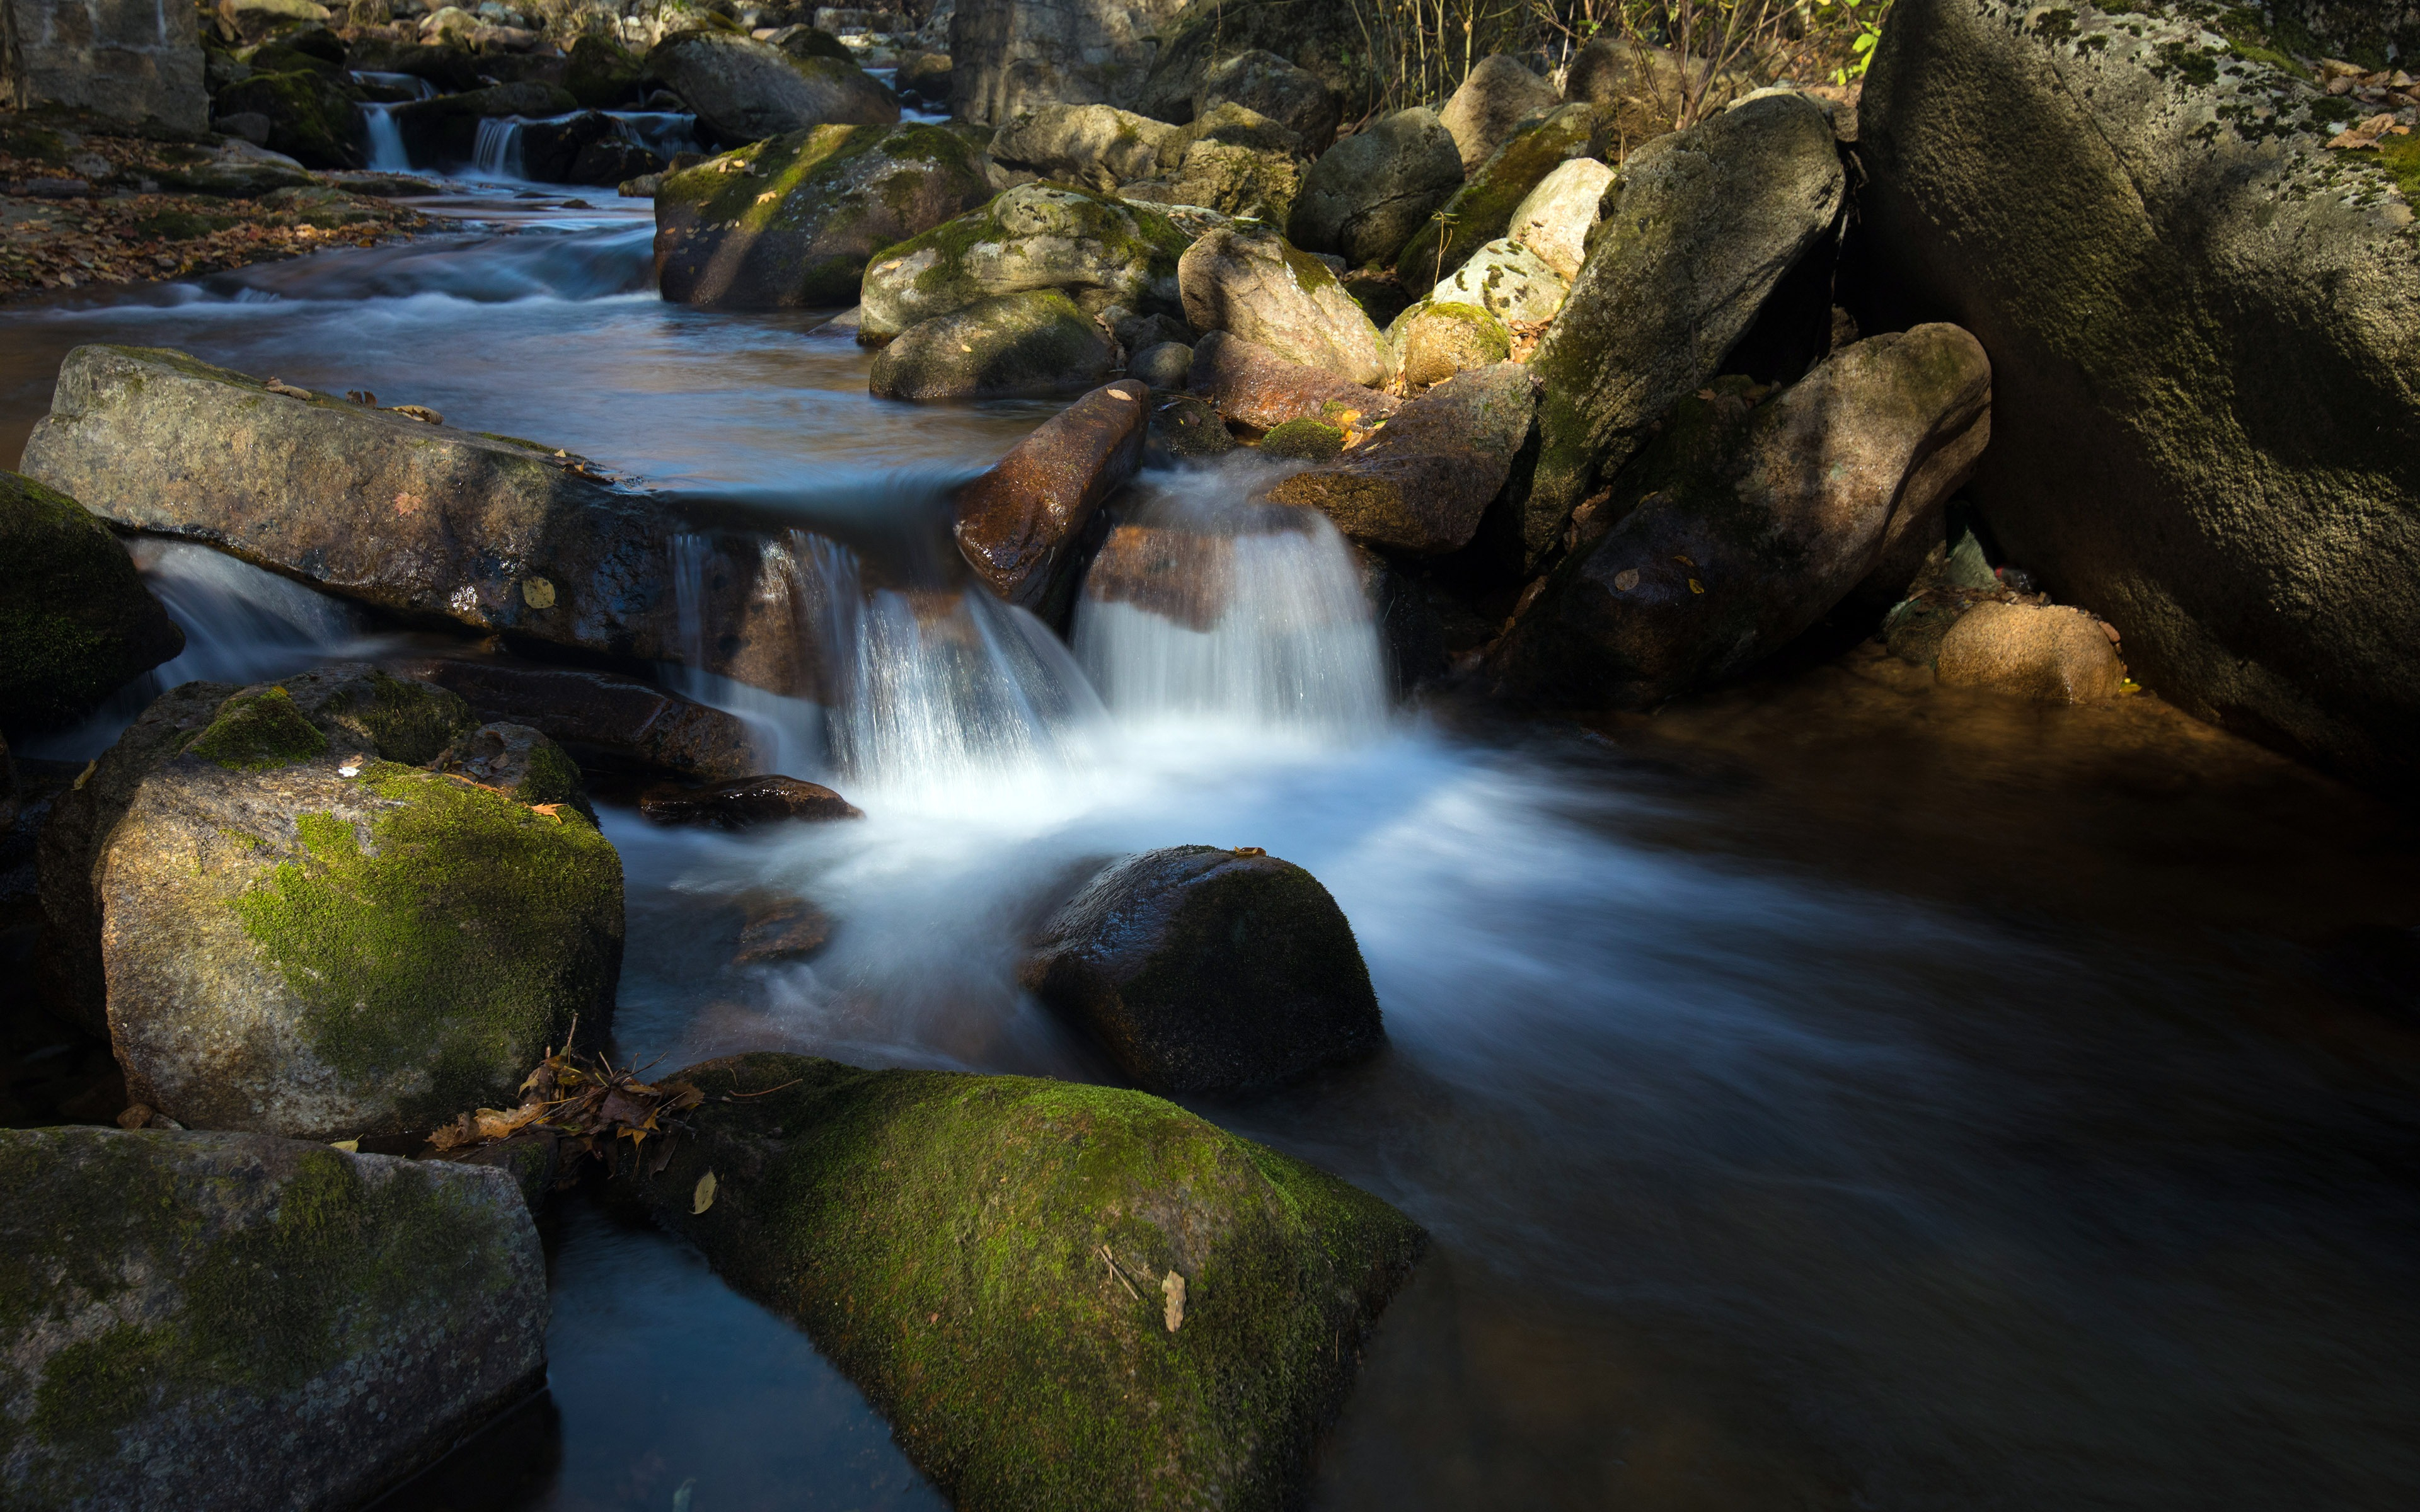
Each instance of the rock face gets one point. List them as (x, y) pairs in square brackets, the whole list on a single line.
[(600, 715), (1253, 285), (1421, 485), (1492, 100), (839, 193), (1092, 147), (745, 90), (1206, 970), (2205, 330), (1481, 209), (1554, 221), (1509, 282), (304, 936), (1268, 86), (222, 1321), (2048, 653), (1367, 197), (1057, 1295), (1705, 224), (1011, 346), (1251, 385), (1008, 56), (1435, 339), (1741, 527), (1101, 252), (75, 620), (1028, 526), (122, 62)]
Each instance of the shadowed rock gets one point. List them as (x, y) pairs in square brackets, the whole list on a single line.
[(1250, 385), (747, 802), (2048, 653), (1420, 483), (75, 620), (1369, 192), (744, 90)]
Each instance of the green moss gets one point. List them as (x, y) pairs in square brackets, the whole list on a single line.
[(942, 1237), (461, 937), (258, 733), (1305, 440), (75, 620), (1481, 209), (403, 721), (2400, 157), (2055, 25)]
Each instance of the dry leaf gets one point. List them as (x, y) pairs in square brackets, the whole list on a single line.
[(350, 1147), (1173, 1290), (2355, 138), (704, 1197)]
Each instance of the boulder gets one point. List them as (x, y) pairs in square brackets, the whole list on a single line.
[(1011, 346), (1420, 483), (1183, 426), (790, 222), (1099, 250), (1163, 365), (75, 620), (1509, 282), (1304, 441), (134, 64), (493, 534), (809, 41), (1206, 970), (583, 147), (223, 1321), (926, 77), (235, 169), (1251, 385), (1029, 524), (1704, 225), (1009, 56), (1057, 1295), (1555, 219), (2048, 653), (1481, 210), (603, 73), (1367, 197), (1746, 522), (1253, 285), (447, 129), (2205, 332), (1090, 146), (519, 762), (310, 119), (1268, 86), (747, 802), (744, 90), (1433, 340), (1493, 99), (600, 716), (1646, 91), (1229, 160), (1331, 43), (303, 935)]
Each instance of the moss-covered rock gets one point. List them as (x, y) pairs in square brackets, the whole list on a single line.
[(522, 764), (1061, 1296), (222, 1321), (1481, 209), (1435, 339), (1370, 193), (1254, 285), (789, 223), (75, 620), (1304, 441), (744, 90), (1100, 251), (310, 119), (1092, 147), (1422, 483), (603, 73), (1030, 345)]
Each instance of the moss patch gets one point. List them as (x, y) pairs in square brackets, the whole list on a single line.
[(1305, 440), (258, 733)]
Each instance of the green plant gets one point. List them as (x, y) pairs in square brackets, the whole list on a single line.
[(1863, 20)]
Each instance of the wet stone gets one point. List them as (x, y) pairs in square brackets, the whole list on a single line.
[(749, 802)]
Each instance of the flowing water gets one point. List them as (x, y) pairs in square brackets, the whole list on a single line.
[(1836, 1093)]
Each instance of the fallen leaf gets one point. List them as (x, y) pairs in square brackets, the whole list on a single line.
[(1173, 1290), (134, 1118), (704, 1197), (350, 1147), (2356, 138)]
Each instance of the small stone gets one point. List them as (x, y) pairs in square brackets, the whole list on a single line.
[(2048, 653), (749, 802)]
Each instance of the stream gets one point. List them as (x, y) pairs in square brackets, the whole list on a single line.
[(1836, 1092)]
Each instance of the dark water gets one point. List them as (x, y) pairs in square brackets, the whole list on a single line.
[(1839, 1092)]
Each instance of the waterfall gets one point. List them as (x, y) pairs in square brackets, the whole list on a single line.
[(663, 132), (386, 150), (497, 153)]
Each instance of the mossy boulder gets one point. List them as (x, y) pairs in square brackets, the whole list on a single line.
[(1481, 209), (789, 223), (744, 90), (1031, 346), (1092, 147), (522, 764), (1061, 1296), (1370, 193), (1304, 441), (302, 936), (1101, 252), (1435, 339), (228, 1322), (603, 73), (2204, 325), (75, 620), (1702, 227), (1229, 160), (1254, 285), (1749, 518), (1422, 483), (311, 120)]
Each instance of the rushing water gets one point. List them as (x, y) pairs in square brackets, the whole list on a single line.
[(1839, 1093)]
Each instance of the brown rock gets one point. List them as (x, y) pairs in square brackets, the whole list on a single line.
[(1027, 525), (1180, 575), (1250, 385), (600, 713), (2050, 653), (749, 802), (1421, 482), (1254, 285), (783, 929)]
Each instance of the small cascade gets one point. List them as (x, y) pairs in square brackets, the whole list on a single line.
[(497, 154), (417, 87), (1202, 607), (385, 139), (664, 133)]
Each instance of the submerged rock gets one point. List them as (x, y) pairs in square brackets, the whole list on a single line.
[(1253, 285), (304, 936), (75, 620), (1057, 1295), (1099, 250), (790, 222), (1250, 385), (1490, 104), (1420, 483), (783, 929), (1706, 222), (1028, 525), (1183, 426), (2048, 653), (744, 90), (1368, 196), (600, 715), (1206, 970), (228, 1322), (1029, 345), (747, 802), (1742, 526), (1481, 210)]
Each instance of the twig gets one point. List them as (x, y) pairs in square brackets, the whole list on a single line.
[(766, 1092)]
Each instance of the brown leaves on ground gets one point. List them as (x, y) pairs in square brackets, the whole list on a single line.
[(585, 1102)]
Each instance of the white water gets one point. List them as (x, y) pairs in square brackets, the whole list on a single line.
[(497, 153), (386, 150)]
